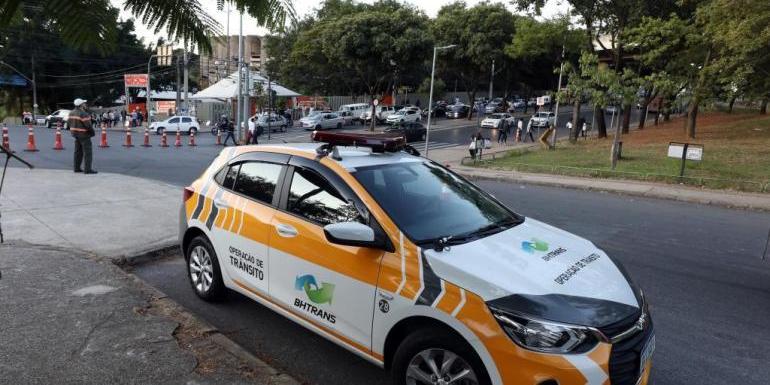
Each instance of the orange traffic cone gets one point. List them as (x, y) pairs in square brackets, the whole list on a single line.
[(219, 137), (6, 140), (146, 138), (31, 140), (57, 143), (178, 142), (163, 140), (192, 139), (128, 139), (103, 143)]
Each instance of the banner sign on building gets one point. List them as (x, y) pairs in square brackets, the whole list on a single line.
[(135, 80)]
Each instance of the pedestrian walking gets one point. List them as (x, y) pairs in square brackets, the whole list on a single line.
[(139, 117), (519, 129), (529, 132), (583, 127), (569, 128), (80, 126), (253, 131), (502, 137), (472, 147), (229, 128)]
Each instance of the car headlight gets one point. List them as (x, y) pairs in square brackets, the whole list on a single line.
[(546, 336)]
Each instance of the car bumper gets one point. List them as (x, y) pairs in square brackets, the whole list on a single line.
[(489, 125)]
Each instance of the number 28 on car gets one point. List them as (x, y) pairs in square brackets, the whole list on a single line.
[(412, 267)]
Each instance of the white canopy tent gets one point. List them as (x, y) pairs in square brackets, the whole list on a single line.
[(227, 88)]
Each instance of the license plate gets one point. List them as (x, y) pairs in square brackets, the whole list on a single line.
[(646, 355)]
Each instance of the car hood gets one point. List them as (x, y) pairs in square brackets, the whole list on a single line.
[(533, 259)]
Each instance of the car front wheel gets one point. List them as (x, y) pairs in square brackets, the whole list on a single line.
[(339, 126), (160, 130), (193, 130), (203, 270), (430, 356)]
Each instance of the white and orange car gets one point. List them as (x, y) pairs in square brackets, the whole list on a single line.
[(412, 267)]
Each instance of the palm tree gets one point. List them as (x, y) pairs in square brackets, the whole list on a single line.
[(88, 24)]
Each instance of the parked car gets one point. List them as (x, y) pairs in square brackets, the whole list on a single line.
[(322, 121), (58, 116), (381, 113), (412, 131), (439, 110), (457, 111), (532, 102), (493, 107), (40, 119), (518, 104), (276, 122), (407, 114), (352, 112), (185, 124), (496, 120), (543, 119)]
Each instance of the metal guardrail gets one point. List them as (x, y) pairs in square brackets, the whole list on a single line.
[(742, 185)]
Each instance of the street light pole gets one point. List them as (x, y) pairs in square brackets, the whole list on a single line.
[(430, 96), (491, 79), (149, 116)]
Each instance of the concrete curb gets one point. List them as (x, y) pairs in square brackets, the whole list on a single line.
[(230, 346), (158, 252), (737, 200)]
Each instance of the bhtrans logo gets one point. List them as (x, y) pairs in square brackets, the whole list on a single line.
[(534, 244), (322, 294), (542, 246)]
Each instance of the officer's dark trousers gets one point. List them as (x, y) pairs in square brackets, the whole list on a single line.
[(229, 136), (83, 152)]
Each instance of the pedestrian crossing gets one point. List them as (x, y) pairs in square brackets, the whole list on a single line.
[(432, 145)]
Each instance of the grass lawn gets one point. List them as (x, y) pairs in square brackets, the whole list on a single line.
[(736, 154)]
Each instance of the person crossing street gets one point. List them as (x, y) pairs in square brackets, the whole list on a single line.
[(80, 126)]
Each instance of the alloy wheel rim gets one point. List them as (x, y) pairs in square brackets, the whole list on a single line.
[(201, 269), (439, 367)]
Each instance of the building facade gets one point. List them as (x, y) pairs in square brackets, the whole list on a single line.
[(224, 57)]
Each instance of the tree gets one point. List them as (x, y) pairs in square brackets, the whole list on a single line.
[(87, 25), (481, 33)]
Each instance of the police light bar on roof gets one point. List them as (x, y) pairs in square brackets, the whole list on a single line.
[(378, 142)]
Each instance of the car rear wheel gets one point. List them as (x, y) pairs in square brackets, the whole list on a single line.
[(318, 127), (429, 357), (160, 130), (192, 130), (339, 125), (203, 270)]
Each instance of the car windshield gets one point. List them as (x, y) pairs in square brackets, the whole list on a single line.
[(541, 115), (428, 203), (496, 116)]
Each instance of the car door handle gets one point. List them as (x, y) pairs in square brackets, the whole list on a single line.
[(221, 204), (286, 231)]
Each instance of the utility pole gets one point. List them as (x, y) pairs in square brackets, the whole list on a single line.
[(34, 91), (178, 85), (492, 79), (556, 110), (186, 78), (240, 81)]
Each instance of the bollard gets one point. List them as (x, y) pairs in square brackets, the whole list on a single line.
[(128, 139), (31, 140), (103, 142), (57, 142), (219, 137), (192, 139), (146, 138), (6, 141), (178, 142)]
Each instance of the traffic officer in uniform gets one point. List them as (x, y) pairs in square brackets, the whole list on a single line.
[(81, 129)]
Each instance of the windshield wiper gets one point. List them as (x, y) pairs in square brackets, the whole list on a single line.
[(441, 243)]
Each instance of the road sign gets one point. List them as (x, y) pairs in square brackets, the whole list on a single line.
[(541, 101), (375, 102), (688, 150)]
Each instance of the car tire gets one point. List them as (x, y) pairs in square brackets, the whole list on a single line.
[(48, 124), (318, 127), (339, 126), (160, 130), (411, 358), (283, 128), (192, 130), (203, 270)]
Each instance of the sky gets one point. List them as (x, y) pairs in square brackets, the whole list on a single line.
[(305, 7)]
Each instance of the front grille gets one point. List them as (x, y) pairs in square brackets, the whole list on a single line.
[(622, 325), (625, 355)]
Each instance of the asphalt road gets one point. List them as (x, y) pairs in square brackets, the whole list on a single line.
[(699, 265), (179, 166)]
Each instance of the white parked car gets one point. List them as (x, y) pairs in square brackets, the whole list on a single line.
[(185, 124), (56, 117), (381, 113), (543, 119), (322, 121), (352, 112), (408, 114), (496, 120)]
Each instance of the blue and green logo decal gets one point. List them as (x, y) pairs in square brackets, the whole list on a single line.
[(534, 244), (316, 294)]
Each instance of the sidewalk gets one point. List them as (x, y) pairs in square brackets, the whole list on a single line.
[(71, 316)]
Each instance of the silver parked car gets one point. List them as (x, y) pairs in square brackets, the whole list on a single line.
[(322, 121)]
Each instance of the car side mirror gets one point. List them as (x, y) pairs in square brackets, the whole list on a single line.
[(352, 234)]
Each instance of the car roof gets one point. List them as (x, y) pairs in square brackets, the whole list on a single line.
[(352, 157)]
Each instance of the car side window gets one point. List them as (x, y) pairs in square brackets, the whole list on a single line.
[(186, 120), (174, 120), (312, 197), (229, 177), (258, 180)]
